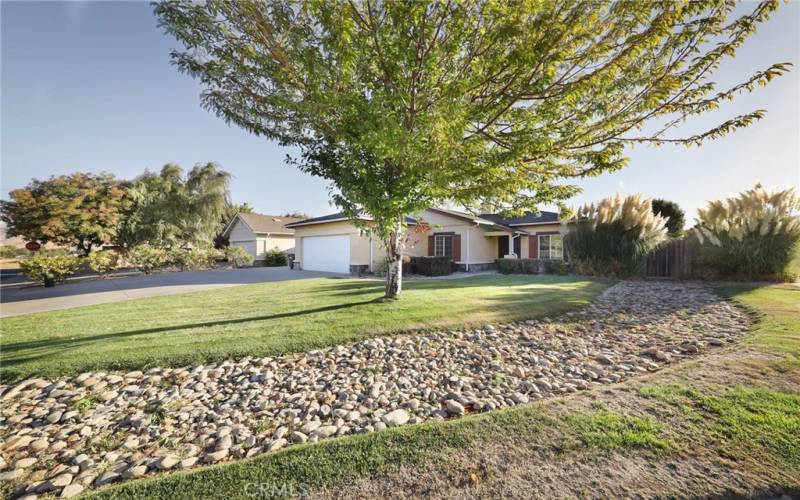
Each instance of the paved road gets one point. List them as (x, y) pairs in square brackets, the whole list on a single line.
[(16, 301)]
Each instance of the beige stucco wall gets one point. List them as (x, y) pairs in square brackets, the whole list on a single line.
[(280, 241), (241, 232)]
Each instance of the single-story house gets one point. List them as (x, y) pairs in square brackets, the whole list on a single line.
[(332, 243), (258, 233)]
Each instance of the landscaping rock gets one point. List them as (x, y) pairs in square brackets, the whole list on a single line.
[(238, 408)]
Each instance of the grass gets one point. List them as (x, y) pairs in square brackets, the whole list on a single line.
[(679, 422), (267, 319)]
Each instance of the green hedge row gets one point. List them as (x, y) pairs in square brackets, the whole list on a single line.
[(432, 266), (531, 266)]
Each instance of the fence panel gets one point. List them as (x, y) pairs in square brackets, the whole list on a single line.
[(671, 260)]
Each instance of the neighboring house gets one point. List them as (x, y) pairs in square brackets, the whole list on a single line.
[(332, 243), (258, 233)]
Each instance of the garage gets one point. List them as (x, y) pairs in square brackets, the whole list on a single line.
[(326, 253)]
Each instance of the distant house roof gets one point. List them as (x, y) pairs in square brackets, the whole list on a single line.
[(528, 218), (337, 217), (262, 224), (491, 220)]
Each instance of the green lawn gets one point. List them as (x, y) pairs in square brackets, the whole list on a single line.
[(755, 430), (267, 319)]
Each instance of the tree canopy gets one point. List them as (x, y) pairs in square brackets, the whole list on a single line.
[(170, 210), (676, 217), (81, 210), (405, 105)]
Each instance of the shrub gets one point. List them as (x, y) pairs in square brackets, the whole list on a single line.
[(532, 266), (40, 265), (275, 258), (11, 251), (752, 236), (191, 259), (676, 218), (509, 266), (614, 237), (432, 266), (146, 258), (381, 268), (238, 256), (103, 262)]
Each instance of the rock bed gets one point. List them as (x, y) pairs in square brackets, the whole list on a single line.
[(99, 428)]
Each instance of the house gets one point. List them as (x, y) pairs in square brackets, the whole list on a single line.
[(332, 243), (258, 233)]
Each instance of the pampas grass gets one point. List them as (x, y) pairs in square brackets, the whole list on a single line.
[(751, 236), (614, 236)]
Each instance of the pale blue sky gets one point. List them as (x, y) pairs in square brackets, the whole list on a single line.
[(89, 86)]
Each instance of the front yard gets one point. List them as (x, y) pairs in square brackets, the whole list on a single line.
[(267, 319), (725, 425)]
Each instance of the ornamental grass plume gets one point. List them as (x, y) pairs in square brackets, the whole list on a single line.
[(614, 236), (754, 235)]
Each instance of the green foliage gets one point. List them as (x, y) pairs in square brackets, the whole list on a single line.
[(614, 237), (171, 211), (676, 218), (146, 258), (275, 258), (191, 259), (407, 105), (103, 262), (12, 251), (532, 266), (753, 236), (80, 210), (238, 256), (41, 264), (432, 266), (381, 268)]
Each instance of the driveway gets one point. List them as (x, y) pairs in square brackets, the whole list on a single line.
[(16, 301)]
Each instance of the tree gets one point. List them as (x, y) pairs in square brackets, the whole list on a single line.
[(676, 218), (171, 211), (81, 210), (296, 214), (405, 105)]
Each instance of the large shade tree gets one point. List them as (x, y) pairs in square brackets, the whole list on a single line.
[(173, 210), (404, 105), (80, 210)]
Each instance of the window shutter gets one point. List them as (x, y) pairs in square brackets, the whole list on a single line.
[(456, 247), (431, 246), (533, 246)]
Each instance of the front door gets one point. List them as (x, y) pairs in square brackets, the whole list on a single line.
[(502, 246)]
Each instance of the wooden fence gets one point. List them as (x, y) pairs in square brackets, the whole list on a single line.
[(672, 260)]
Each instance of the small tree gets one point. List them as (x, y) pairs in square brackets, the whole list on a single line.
[(406, 105), (676, 218), (80, 210)]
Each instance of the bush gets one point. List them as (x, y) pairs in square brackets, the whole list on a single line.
[(238, 256), (191, 259), (40, 265), (381, 268), (432, 266), (531, 266), (753, 236), (676, 218), (275, 258), (11, 251), (146, 258), (103, 262), (614, 237)]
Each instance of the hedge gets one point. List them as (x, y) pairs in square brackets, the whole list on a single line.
[(432, 266), (531, 266)]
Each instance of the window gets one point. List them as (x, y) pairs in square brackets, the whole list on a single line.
[(551, 246), (443, 246)]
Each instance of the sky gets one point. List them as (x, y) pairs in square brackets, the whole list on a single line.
[(88, 86)]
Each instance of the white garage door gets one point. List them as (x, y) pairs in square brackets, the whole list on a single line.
[(326, 253)]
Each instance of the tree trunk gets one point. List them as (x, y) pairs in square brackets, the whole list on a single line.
[(394, 253)]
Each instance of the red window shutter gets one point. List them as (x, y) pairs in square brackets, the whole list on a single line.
[(456, 247), (533, 246), (431, 246)]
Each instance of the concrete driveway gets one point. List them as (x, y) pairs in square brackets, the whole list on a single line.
[(16, 301)]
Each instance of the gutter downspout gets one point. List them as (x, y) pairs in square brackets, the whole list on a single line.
[(469, 230)]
